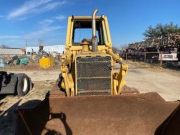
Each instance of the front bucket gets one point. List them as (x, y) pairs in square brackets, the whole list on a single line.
[(139, 114)]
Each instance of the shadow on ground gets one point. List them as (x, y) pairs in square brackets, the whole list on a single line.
[(14, 122)]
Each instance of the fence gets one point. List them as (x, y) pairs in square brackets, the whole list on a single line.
[(152, 57)]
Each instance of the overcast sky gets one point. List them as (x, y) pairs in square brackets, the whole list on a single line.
[(47, 19)]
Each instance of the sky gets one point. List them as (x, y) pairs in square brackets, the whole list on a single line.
[(47, 19)]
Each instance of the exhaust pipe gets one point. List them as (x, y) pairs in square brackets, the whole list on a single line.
[(94, 38)]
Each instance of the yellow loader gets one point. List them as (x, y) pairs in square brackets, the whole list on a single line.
[(90, 99)]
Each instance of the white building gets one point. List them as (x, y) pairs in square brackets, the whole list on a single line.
[(49, 49), (10, 51)]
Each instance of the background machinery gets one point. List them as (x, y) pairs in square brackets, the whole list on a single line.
[(90, 98), (45, 59), (18, 60)]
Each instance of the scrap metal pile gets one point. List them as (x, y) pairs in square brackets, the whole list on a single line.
[(172, 41), (166, 48)]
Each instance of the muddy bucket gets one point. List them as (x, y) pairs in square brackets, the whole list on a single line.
[(132, 114)]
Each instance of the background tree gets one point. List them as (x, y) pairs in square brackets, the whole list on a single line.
[(161, 30)]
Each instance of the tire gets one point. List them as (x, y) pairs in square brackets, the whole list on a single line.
[(59, 84), (23, 84)]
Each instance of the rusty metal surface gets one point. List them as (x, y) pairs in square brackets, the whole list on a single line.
[(132, 114), (129, 90), (171, 126)]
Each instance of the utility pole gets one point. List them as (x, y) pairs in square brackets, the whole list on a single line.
[(41, 42), (41, 45), (25, 42)]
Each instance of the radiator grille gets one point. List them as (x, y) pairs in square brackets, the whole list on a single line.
[(93, 75)]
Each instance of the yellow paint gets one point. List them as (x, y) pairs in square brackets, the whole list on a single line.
[(46, 62), (68, 59)]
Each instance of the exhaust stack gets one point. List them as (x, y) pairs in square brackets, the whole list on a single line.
[(94, 38)]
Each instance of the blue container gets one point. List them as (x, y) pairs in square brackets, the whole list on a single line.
[(1, 62)]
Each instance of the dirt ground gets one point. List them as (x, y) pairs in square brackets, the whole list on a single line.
[(145, 78), (163, 81), (43, 82)]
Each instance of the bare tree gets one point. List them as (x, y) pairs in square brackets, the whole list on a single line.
[(115, 50), (4, 46)]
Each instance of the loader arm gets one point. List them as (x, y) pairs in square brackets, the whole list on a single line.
[(67, 82), (119, 78)]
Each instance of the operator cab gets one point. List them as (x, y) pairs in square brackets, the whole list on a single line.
[(82, 30), (93, 30)]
